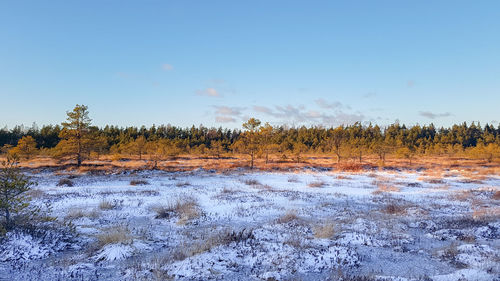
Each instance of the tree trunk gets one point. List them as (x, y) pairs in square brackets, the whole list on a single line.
[(251, 163), (7, 218)]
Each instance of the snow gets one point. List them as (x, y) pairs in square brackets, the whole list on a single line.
[(434, 234)]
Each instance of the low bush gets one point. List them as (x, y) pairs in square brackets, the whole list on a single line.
[(139, 182), (65, 182)]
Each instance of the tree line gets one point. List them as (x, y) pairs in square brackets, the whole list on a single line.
[(76, 138)]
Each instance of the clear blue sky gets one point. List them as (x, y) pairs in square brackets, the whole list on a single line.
[(217, 63)]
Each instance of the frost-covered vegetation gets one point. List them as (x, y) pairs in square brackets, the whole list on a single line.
[(239, 225)]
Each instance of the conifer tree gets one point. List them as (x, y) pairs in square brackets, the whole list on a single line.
[(13, 187), (75, 133), (26, 147)]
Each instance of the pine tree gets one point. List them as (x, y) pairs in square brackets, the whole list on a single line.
[(26, 147), (250, 138), (75, 133), (13, 187)]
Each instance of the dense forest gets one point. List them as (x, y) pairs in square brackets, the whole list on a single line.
[(256, 139)]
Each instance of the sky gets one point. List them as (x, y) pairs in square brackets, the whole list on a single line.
[(218, 63)]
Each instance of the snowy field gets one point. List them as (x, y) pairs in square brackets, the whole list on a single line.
[(241, 225)]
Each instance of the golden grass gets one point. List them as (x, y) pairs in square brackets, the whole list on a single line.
[(76, 213), (324, 230), (186, 209), (107, 205), (433, 165), (382, 188), (316, 184), (114, 235), (289, 216)]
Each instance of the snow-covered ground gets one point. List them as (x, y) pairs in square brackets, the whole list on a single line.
[(242, 225)]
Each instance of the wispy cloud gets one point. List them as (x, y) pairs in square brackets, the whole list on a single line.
[(432, 115), (302, 115), (210, 92), (328, 105), (227, 114), (224, 119), (262, 109), (167, 67)]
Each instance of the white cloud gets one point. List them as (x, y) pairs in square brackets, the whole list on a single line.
[(167, 67), (209, 92)]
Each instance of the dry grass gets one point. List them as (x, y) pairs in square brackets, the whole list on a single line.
[(107, 205), (114, 235), (185, 209), (317, 184), (214, 239), (289, 216), (485, 212), (324, 231), (382, 188), (76, 213), (139, 182), (462, 195), (394, 209), (351, 167), (227, 190)]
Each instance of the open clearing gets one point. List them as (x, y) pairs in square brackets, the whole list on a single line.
[(240, 225)]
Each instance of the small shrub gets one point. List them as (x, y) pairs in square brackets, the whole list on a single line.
[(496, 195), (251, 182), (65, 182), (139, 182)]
